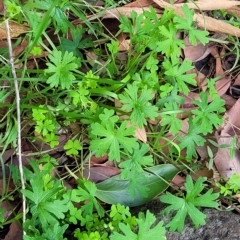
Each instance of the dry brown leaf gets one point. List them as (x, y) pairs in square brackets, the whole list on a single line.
[(237, 80), (238, 197), (7, 154), (124, 43), (201, 80), (202, 173), (219, 69), (179, 1), (233, 11), (125, 11), (10, 209), (188, 102), (223, 85), (140, 3), (15, 30), (204, 22), (196, 53), (229, 101), (1, 6), (203, 152), (98, 160), (178, 181), (146, 3), (229, 62), (140, 133), (210, 4), (10, 186), (100, 173), (93, 59), (26, 156), (20, 48), (232, 127), (15, 231), (224, 164)]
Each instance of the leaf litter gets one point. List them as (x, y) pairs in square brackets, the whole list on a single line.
[(226, 160)]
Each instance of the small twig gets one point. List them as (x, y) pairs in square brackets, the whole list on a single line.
[(11, 61)]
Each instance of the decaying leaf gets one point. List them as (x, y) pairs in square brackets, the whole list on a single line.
[(223, 162), (15, 30), (1, 6), (223, 85), (202, 173), (229, 101), (100, 173), (126, 11), (140, 133), (98, 160), (140, 3), (232, 127), (196, 53), (233, 11), (124, 43), (15, 232)]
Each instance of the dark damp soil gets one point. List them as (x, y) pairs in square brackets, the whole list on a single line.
[(220, 225)]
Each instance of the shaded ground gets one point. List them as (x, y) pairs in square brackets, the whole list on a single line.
[(220, 225)]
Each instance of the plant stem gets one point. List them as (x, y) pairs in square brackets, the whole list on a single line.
[(11, 61)]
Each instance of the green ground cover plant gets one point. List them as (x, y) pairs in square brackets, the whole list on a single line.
[(74, 106)]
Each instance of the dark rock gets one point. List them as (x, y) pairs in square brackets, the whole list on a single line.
[(220, 225)]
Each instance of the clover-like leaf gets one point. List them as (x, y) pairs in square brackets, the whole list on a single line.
[(72, 147)]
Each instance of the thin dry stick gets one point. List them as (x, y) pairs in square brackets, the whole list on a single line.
[(204, 22), (11, 61)]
